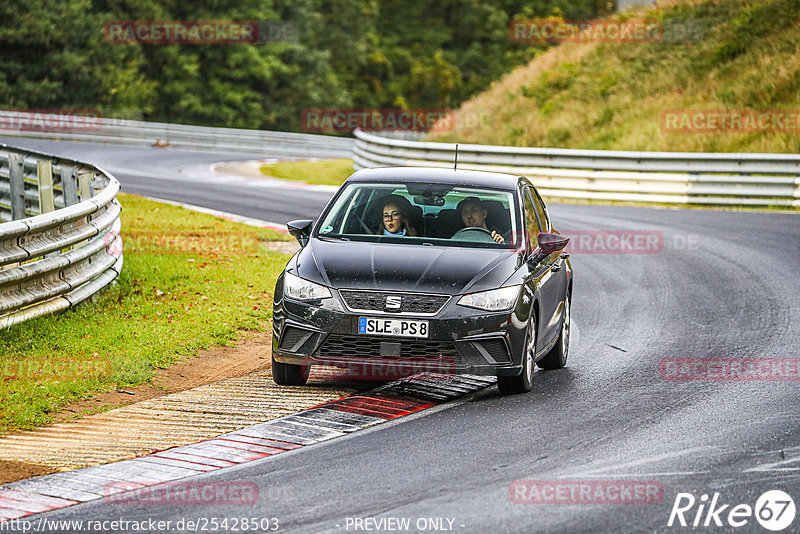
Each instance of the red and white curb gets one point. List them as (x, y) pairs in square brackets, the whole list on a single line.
[(323, 422)]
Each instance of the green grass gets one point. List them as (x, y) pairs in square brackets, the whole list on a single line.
[(190, 281), (324, 172), (612, 95)]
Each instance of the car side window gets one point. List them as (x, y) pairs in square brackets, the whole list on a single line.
[(541, 212), (531, 220)]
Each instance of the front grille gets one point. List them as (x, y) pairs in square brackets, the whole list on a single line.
[(496, 348), (410, 302), (343, 346)]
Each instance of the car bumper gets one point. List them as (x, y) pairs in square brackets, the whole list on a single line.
[(461, 340)]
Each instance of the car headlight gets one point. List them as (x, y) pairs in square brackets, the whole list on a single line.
[(301, 289), (494, 300)]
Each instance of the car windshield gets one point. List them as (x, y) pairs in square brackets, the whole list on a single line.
[(418, 213)]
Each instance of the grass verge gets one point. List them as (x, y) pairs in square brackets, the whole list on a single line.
[(190, 281), (324, 172), (614, 96)]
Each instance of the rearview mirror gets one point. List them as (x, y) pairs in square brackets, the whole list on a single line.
[(301, 230), (429, 201), (549, 243)]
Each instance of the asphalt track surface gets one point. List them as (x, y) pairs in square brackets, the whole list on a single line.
[(725, 285)]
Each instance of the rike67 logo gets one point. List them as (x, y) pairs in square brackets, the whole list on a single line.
[(774, 510)]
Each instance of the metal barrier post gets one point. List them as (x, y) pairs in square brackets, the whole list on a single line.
[(69, 183), (44, 171), (85, 185), (17, 186)]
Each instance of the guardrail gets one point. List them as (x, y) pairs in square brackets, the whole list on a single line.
[(59, 233), (140, 133), (669, 177)]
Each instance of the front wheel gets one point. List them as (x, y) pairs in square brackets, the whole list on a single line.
[(557, 357), (287, 374), (522, 383)]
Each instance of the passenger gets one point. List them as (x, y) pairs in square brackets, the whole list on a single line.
[(396, 219), (473, 214)]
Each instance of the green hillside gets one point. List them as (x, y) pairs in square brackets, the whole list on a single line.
[(615, 95)]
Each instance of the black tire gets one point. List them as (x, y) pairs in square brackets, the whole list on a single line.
[(557, 357), (287, 374), (522, 383)]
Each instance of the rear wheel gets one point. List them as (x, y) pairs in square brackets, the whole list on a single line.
[(557, 357), (522, 383), (287, 374)]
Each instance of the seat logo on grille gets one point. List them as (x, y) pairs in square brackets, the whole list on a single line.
[(393, 302)]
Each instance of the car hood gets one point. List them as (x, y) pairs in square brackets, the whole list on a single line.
[(387, 266)]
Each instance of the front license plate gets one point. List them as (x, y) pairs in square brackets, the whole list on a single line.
[(392, 327)]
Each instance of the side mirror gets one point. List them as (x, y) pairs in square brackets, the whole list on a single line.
[(301, 230), (549, 243)]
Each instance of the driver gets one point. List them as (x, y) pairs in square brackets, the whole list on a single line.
[(473, 214)]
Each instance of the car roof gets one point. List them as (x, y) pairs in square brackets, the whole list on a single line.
[(491, 180)]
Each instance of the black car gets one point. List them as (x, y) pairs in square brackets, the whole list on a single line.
[(450, 271)]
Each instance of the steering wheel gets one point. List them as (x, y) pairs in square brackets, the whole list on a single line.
[(474, 233)]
